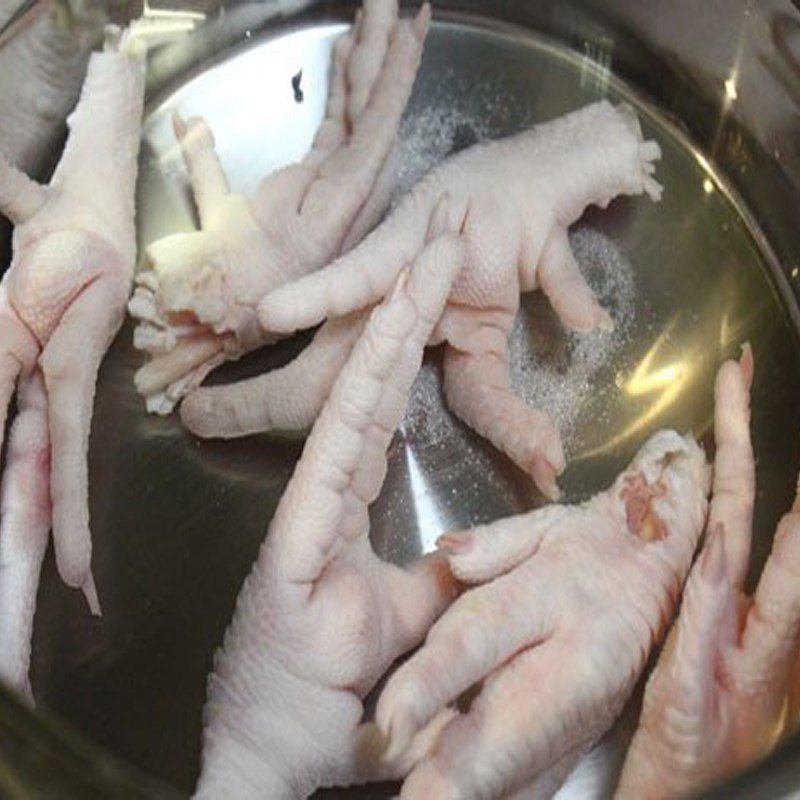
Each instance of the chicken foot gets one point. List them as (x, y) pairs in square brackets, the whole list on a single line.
[(719, 697), (321, 617), (511, 201), (556, 648), (197, 305), (61, 303)]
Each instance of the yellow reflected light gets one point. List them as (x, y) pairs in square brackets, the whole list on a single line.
[(669, 381), (726, 333), (643, 382), (160, 25)]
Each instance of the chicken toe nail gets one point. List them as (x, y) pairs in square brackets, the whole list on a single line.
[(89, 590), (544, 476), (179, 125), (400, 284), (605, 322), (395, 720), (747, 364), (455, 542), (422, 21), (713, 564)]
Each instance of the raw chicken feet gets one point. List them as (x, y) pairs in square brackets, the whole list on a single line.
[(573, 600), (197, 305), (512, 202), (321, 617), (61, 303), (719, 696)]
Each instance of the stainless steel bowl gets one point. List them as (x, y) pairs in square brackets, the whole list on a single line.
[(177, 522)]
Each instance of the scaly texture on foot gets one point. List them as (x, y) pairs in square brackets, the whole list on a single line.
[(719, 695), (511, 202), (321, 617), (568, 603), (197, 305), (61, 303)]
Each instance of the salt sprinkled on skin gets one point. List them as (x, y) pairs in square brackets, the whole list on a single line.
[(551, 369), (561, 390)]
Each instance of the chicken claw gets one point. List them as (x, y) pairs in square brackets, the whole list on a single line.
[(569, 603), (197, 306), (321, 617), (512, 202), (719, 695), (61, 303)]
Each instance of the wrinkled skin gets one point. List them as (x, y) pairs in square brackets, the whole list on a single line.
[(567, 605), (61, 303), (321, 617), (719, 695), (511, 202), (197, 305)]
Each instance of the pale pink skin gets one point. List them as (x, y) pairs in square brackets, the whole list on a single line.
[(61, 303), (719, 696), (567, 605), (511, 201), (321, 617), (197, 305)]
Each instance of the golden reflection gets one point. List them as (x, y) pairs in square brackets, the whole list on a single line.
[(650, 377), (160, 25), (726, 330), (643, 382), (730, 84), (704, 163), (730, 88), (677, 371)]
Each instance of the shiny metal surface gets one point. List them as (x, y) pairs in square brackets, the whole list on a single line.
[(177, 522)]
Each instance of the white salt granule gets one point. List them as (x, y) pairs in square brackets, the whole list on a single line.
[(561, 389), (458, 113)]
